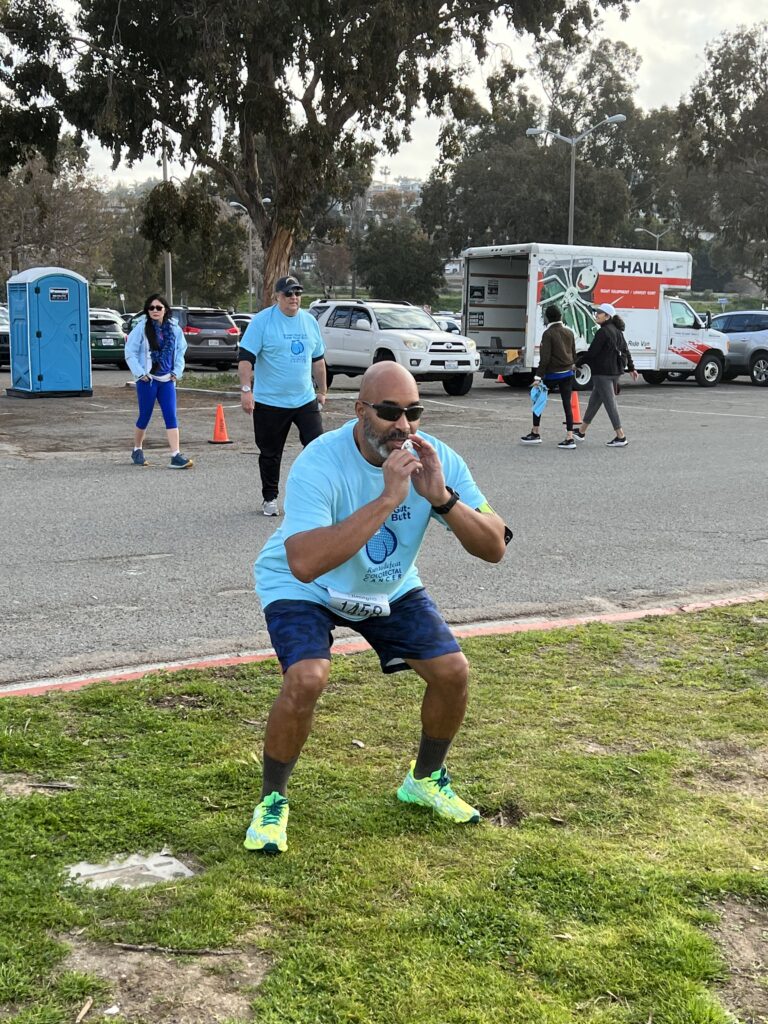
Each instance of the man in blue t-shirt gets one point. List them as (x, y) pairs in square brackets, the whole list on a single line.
[(280, 353), (357, 506)]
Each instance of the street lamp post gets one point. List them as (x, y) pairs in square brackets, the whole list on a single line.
[(573, 141), (167, 259), (653, 234), (250, 251)]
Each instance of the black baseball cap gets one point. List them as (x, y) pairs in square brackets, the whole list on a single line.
[(288, 284)]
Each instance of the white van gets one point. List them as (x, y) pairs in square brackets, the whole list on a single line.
[(507, 287)]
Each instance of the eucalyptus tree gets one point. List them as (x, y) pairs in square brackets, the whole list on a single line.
[(280, 101)]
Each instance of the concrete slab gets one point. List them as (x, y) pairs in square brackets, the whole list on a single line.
[(133, 872)]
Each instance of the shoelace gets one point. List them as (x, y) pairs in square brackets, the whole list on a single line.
[(443, 783), (273, 811)]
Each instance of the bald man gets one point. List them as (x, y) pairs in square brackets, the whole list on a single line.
[(358, 503)]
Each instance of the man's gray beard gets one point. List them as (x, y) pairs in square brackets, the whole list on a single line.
[(373, 439)]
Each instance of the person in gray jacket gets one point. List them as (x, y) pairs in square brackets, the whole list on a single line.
[(557, 361), (154, 351)]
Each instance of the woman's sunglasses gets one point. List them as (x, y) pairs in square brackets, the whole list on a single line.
[(391, 413), (156, 309)]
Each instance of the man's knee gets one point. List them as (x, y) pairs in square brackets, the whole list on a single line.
[(451, 672), (304, 682)]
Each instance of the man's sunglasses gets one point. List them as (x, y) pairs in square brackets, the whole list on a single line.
[(293, 292), (391, 413)]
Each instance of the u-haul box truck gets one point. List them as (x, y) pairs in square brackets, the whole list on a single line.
[(507, 287)]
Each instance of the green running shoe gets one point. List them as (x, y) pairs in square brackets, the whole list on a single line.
[(267, 830), (435, 791)]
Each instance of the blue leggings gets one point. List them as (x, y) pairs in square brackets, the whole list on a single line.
[(165, 393)]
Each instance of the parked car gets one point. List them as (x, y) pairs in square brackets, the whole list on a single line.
[(447, 323), (747, 331), (242, 320), (5, 337), (107, 336), (358, 334), (211, 334)]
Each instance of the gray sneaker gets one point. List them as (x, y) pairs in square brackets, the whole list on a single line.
[(269, 508)]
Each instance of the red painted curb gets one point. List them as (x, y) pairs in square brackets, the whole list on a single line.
[(357, 646)]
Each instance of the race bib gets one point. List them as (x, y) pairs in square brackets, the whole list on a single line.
[(358, 606)]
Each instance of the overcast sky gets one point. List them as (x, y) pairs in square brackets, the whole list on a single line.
[(670, 39)]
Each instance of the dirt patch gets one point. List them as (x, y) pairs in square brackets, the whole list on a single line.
[(732, 768), (167, 989), (180, 701), (576, 745), (742, 935), (508, 816), (16, 785)]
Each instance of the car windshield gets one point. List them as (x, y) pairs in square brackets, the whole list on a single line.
[(101, 322), (404, 318), (211, 319)]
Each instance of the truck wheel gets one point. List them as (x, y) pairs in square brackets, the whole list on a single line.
[(758, 369), (653, 376), (582, 378), (709, 371), (223, 367), (458, 385)]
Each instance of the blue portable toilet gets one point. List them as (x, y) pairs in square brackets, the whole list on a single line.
[(49, 333)]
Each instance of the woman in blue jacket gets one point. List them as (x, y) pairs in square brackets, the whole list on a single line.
[(154, 351)]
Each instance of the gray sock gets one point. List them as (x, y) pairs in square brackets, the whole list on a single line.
[(276, 775), (431, 756)]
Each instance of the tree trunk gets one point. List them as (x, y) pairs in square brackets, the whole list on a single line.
[(277, 258)]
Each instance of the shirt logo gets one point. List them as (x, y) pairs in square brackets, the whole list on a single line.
[(297, 347), (381, 545)]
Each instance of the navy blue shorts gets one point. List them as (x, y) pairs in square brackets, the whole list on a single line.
[(414, 629)]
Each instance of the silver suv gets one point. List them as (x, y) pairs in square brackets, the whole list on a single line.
[(358, 334), (747, 331)]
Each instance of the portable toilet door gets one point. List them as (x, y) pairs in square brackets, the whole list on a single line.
[(49, 333)]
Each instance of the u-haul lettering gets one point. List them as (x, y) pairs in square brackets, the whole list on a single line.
[(631, 267)]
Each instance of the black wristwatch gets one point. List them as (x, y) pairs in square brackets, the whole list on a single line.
[(442, 509)]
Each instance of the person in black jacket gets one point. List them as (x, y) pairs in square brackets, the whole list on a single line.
[(557, 359), (608, 357)]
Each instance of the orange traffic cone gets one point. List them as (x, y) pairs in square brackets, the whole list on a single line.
[(220, 435), (575, 410)]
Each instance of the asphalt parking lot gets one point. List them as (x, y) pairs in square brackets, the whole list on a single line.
[(105, 565)]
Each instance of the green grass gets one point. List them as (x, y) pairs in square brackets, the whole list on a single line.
[(211, 381), (624, 750)]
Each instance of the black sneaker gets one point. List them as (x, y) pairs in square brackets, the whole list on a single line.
[(567, 443), (578, 434), (618, 442), (531, 438)]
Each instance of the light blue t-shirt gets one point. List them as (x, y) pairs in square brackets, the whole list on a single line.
[(327, 483), (284, 347)]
